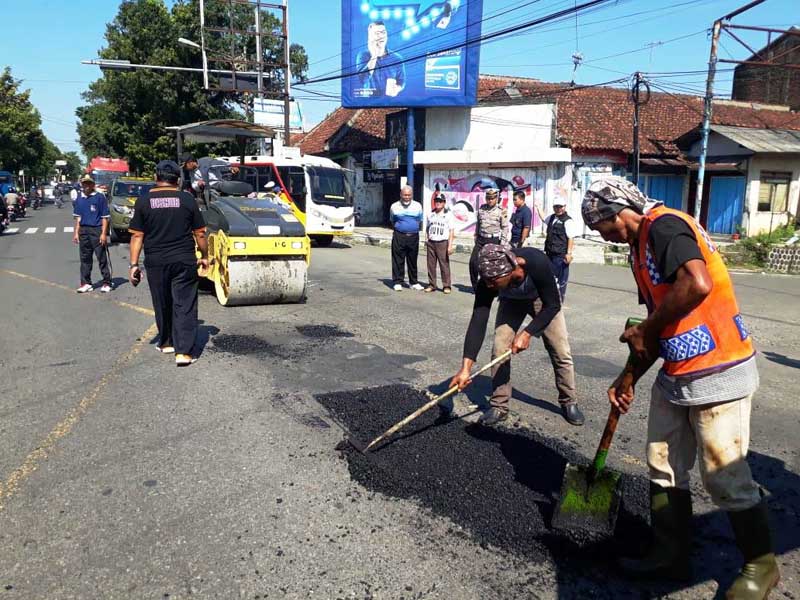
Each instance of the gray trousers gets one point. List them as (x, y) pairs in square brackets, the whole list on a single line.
[(437, 255), (510, 315)]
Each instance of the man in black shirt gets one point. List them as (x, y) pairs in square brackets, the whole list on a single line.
[(168, 223), (524, 281)]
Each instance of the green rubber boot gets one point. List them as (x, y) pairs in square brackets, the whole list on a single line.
[(669, 556), (760, 571)]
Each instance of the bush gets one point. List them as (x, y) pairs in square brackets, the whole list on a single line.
[(755, 249)]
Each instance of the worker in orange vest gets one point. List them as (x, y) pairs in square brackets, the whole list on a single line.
[(701, 400)]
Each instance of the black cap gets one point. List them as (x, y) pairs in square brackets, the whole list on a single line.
[(168, 168), (186, 157), (439, 198)]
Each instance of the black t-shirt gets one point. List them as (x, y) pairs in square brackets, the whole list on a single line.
[(539, 281), (167, 217), (672, 244)]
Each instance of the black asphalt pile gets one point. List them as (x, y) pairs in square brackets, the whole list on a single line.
[(322, 332), (249, 345), (499, 484)]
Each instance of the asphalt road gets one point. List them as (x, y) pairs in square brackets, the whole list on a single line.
[(122, 476)]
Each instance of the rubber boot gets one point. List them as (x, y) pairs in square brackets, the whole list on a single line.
[(760, 571), (669, 556)]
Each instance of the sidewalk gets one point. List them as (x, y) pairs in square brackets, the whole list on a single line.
[(586, 251)]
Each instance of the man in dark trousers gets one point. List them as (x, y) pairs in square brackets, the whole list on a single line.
[(91, 234), (561, 232), (406, 218), (168, 223), (520, 221), (525, 284)]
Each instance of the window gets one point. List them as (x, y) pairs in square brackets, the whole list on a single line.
[(773, 192), (294, 178)]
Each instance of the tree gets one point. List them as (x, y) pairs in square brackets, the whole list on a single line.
[(22, 142), (74, 165), (126, 113)]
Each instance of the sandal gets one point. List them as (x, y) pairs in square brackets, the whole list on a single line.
[(429, 289), (447, 290)]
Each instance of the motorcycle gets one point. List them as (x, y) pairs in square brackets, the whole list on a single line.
[(12, 213), (36, 203)]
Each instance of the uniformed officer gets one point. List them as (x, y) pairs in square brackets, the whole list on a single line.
[(491, 228), (168, 223)]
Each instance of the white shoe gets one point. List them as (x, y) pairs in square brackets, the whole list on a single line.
[(397, 287), (417, 287), (105, 288), (86, 287), (166, 349), (184, 360)]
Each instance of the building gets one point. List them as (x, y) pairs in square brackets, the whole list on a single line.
[(771, 84)]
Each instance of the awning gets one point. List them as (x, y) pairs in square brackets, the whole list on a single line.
[(762, 140), (221, 130)]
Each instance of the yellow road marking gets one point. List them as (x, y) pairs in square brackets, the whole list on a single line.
[(140, 309), (65, 426)]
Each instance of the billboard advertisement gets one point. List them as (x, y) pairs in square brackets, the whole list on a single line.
[(404, 54), (270, 113)]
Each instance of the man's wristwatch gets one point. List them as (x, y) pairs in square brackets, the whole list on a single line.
[(133, 266)]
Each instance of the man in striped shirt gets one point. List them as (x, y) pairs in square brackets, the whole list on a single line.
[(406, 218)]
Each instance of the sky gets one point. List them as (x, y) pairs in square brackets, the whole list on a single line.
[(47, 40)]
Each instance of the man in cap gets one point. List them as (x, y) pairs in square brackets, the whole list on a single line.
[(91, 234), (490, 228), (190, 176), (168, 223), (701, 400), (559, 241), (523, 280), (439, 245)]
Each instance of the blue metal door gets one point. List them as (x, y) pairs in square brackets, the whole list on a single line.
[(726, 203), (667, 188)]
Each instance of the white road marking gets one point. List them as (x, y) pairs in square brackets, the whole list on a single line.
[(50, 230), (31, 230), (69, 229), (13, 229)]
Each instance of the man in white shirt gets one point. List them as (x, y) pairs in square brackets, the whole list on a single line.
[(439, 245), (561, 232)]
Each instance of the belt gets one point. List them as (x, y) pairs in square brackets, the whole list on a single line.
[(404, 233), (488, 240)]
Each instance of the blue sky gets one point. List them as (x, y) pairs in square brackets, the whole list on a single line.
[(45, 40)]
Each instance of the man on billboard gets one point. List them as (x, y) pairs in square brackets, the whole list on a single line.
[(380, 71)]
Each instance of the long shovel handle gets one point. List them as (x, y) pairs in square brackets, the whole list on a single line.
[(433, 402), (613, 419)]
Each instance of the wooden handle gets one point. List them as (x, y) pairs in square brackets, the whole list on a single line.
[(433, 402)]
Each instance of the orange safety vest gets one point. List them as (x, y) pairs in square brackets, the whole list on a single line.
[(712, 337)]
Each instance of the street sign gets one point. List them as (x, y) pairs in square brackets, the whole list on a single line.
[(385, 159), (381, 176), (269, 112)]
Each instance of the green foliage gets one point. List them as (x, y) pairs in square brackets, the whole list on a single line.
[(754, 250), (22, 142), (126, 112)]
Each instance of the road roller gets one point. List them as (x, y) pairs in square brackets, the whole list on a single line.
[(258, 250)]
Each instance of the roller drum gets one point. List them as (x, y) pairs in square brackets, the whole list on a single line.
[(262, 282)]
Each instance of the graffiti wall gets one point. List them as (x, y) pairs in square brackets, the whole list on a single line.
[(465, 190)]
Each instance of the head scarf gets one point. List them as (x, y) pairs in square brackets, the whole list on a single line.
[(496, 261), (608, 196)]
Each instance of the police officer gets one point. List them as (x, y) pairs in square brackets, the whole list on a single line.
[(168, 223), (91, 234), (491, 228), (561, 232)]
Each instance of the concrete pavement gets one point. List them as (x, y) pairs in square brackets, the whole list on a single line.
[(122, 476)]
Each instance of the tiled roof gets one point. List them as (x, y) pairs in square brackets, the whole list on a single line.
[(315, 141), (366, 130), (601, 118)]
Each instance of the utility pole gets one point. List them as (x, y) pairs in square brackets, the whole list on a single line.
[(719, 24), (636, 98), (287, 74), (707, 106)]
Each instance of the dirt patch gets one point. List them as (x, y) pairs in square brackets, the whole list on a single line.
[(322, 331), (498, 484)]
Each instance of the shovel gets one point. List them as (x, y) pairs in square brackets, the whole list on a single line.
[(590, 496), (422, 409)]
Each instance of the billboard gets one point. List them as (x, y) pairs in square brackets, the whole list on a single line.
[(403, 54), (270, 113)]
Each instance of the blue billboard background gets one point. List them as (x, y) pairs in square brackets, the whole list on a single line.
[(393, 52)]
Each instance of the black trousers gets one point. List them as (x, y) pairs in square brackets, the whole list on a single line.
[(561, 271), (89, 244), (405, 250), (173, 288)]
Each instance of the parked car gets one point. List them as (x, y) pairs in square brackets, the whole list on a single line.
[(123, 194)]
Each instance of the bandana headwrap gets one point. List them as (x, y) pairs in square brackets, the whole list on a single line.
[(608, 196), (495, 261)]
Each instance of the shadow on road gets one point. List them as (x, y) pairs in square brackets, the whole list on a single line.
[(782, 359)]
